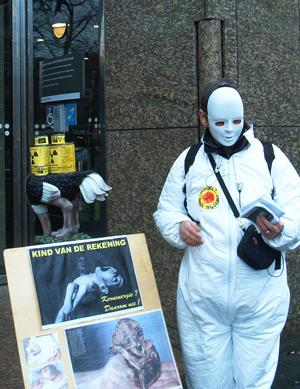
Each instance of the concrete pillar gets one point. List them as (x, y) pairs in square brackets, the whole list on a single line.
[(210, 51)]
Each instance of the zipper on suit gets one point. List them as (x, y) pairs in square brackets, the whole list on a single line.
[(232, 263)]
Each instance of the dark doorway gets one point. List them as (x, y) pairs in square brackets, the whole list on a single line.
[(24, 45)]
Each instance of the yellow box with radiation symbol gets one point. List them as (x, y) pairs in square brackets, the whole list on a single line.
[(39, 160), (62, 158), (57, 139), (41, 140)]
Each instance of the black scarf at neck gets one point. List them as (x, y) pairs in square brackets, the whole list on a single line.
[(212, 146)]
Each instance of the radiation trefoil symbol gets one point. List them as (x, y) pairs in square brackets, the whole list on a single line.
[(208, 197), (53, 154), (32, 156)]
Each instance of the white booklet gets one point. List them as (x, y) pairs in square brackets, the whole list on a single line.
[(262, 207)]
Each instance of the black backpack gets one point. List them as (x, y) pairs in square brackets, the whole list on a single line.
[(193, 150)]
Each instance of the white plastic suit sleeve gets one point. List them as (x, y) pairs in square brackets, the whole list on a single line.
[(287, 195), (170, 210)]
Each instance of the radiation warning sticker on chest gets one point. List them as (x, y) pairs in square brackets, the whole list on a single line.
[(208, 197)]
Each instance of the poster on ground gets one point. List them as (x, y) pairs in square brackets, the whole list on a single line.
[(77, 281), (129, 353), (87, 314)]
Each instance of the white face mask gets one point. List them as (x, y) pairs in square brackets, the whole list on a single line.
[(225, 115)]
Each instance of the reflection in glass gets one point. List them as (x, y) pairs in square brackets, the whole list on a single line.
[(84, 36)]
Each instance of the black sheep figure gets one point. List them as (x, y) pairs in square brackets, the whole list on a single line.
[(63, 191)]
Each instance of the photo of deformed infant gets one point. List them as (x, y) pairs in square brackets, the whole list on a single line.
[(45, 368), (41, 349), (99, 279), (140, 354), (130, 353), (49, 377)]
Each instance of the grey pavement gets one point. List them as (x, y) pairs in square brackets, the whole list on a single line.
[(288, 371)]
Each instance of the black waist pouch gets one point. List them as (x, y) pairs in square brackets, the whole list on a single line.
[(255, 252)]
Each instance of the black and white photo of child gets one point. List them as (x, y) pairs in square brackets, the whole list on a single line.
[(79, 280)]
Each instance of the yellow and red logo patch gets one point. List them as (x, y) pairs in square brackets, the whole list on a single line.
[(208, 197)]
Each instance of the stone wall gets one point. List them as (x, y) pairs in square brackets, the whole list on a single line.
[(159, 55)]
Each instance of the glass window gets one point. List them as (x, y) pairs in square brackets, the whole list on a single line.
[(76, 108)]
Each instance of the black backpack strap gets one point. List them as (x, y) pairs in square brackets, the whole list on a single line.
[(223, 186), (269, 157), (190, 157), (188, 162), (268, 153)]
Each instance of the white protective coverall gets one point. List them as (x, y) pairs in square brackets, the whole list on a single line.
[(230, 316)]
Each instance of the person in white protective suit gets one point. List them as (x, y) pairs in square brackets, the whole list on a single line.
[(230, 316)]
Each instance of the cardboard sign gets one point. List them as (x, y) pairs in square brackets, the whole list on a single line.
[(65, 335)]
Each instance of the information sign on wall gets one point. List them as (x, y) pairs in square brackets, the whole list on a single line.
[(62, 78)]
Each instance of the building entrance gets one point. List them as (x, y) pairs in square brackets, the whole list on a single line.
[(52, 83)]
